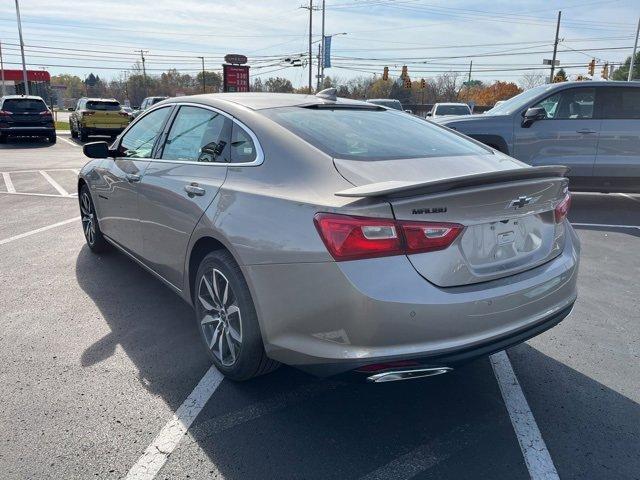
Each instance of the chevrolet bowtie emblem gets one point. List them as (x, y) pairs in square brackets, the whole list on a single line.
[(521, 202)]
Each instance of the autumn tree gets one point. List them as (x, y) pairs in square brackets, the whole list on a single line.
[(532, 79)]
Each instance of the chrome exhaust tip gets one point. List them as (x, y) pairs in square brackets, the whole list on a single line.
[(410, 374)]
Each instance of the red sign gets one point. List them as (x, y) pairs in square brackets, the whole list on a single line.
[(32, 75), (236, 78)]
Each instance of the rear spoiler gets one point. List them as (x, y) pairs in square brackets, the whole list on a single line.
[(395, 188)]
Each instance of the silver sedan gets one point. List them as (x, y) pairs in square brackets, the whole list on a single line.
[(332, 235)]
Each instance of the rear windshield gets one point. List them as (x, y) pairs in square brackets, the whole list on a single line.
[(20, 105), (106, 106), (452, 110), (372, 134)]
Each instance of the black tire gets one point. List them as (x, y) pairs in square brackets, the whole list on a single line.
[(90, 227), (249, 359), (74, 134), (52, 138), (84, 136)]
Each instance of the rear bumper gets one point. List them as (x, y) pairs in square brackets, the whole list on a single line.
[(328, 318), (115, 130), (30, 131)]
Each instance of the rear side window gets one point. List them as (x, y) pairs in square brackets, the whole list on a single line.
[(23, 105), (620, 103), (243, 150), (104, 106), (139, 140), (198, 135), (372, 134)]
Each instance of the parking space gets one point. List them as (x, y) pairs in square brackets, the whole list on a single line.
[(98, 357)]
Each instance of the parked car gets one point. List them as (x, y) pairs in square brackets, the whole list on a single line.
[(591, 127), (448, 110), (25, 116), (333, 235), (147, 103), (97, 116), (126, 109)]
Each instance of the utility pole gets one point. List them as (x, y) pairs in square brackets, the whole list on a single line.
[(144, 71), (310, 36), (470, 67), (24, 64), (555, 47), (322, 54), (319, 74), (633, 56), (4, 88), (204, 82)]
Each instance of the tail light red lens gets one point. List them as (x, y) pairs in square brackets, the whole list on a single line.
[(562, 209), (353, 238), (123, 114), (87, 113), (4, 113)]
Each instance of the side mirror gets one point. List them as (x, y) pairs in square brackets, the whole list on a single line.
[(97, 150), (429, 114), (408, 110), (532, 115), (70, 109)]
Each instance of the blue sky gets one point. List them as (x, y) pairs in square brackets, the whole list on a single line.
[(430, 36)]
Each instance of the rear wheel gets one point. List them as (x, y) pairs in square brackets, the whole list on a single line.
[(227, 319), (74, 133), (90, 227)]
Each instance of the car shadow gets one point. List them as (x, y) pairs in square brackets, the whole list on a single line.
[(291, 425)]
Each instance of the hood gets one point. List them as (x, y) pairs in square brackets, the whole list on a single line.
[(363, 172)]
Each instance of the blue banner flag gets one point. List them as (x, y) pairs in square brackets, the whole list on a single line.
[(327, 51)]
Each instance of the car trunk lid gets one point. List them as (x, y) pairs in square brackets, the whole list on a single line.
[(507, 214)]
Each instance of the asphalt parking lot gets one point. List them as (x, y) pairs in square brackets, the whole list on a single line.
[(98, 358)]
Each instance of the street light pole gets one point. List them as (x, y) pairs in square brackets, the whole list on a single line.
[(24, 64), (633, 56), (4, 88), (322, 48), (555, 47), (310, 41)]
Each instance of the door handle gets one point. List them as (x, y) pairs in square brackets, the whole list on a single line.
[(194, 189), (584, 130), (132, 178)]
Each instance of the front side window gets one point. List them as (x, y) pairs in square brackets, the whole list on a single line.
[(139, 140), (571, 104), (371, 133), (198, 135), (620, 103)]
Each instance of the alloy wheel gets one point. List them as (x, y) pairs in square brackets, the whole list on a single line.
[(221, 320), (88, 218)]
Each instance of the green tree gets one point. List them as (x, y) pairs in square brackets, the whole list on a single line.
[(622, 73), (75, 86), (213, 81), (278, 85)]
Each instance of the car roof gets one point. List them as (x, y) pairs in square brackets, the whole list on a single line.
[(26, 97), (452, 103), (96, 99), (261, 100)]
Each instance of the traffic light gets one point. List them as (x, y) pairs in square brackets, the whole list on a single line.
[(423, 83), (592, 67), (407, 82), (405, 73), (385, 74), (605, 71)]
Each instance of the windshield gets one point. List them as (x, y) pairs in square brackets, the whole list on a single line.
[(105, 106), (23, 105), (372, 134), (453, 110), (517, 102)]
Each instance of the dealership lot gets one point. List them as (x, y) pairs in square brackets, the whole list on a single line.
[(98, 356)]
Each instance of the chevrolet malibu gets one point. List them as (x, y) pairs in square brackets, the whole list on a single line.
[(336, 236)]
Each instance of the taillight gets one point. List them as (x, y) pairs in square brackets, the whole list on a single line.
[(562, 209), (4, 113), (123, 114), (46, 113), (352, 238), (86, 113)]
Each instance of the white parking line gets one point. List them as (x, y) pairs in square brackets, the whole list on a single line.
[(603, 225), (68, 141), (156, 454), (38, 230), (29, 194), (8, 183), (54, 184), (534, 450)]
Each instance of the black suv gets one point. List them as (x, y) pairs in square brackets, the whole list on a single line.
[(25, 116)]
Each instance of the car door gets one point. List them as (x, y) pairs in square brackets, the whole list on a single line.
[(117, 197), (567, 136), (617, 166), (180, 184)]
